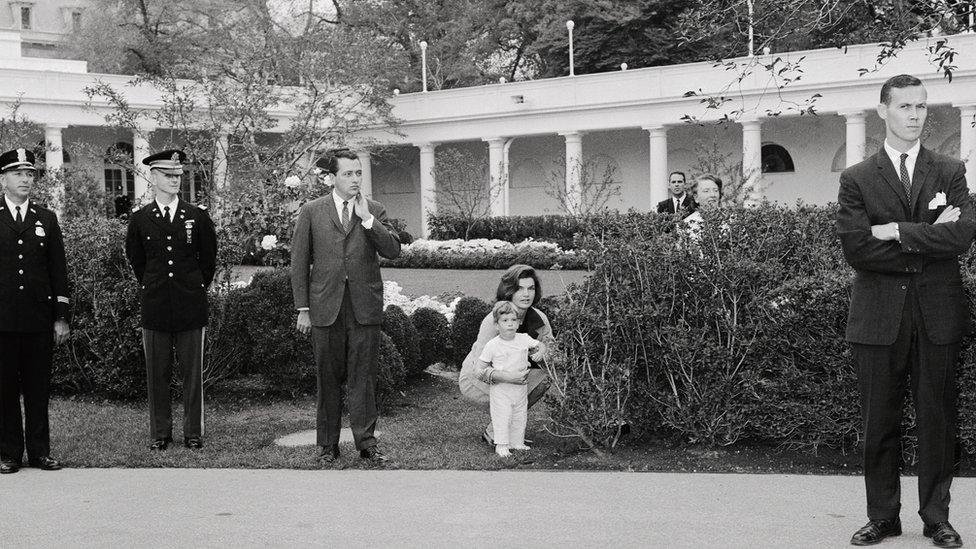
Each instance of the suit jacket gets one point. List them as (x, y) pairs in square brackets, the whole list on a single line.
[(33, 271), (667, 206), (927, 256), (324, 256), (174, 263)]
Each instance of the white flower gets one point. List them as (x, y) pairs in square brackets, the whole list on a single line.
[(293, 181), (269, 242)]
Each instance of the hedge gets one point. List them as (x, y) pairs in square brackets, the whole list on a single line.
[(737, 334), (559, 229)]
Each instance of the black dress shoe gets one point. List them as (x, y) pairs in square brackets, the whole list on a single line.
[(372, 454), (193, 443), (8, 467), (876, 530), (328, 454), (942, 534), (45, 464), (160, 444)]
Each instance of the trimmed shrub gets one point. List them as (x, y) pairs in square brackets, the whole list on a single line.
[(468, 314), (484, 254), (433, 336), (398, 326), (392, 375), (103, 357), (560, 229)]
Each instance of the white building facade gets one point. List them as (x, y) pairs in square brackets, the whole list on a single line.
[(635, 120)]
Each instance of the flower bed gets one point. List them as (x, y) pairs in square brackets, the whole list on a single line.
[(483, 253)]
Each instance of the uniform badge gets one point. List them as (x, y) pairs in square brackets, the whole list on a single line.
[(188, 224), (39, 229)]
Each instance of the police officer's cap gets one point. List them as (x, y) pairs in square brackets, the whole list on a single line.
[(169, 162), (17, 159)]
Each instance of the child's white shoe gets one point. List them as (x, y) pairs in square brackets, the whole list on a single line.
[(502, 451)]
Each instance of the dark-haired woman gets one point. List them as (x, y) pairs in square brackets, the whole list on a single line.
[(520, 285)]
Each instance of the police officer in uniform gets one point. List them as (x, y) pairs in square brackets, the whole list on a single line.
[(172, 247), (33, 314)]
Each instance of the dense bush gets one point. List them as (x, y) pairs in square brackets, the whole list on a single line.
[(468, 314), (398, 326), (392, 374), (734, 332), (433, 336), (104, 354), (559, 229)]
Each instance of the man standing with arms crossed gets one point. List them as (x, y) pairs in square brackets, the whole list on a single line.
[(33, 314), (172, 247), (904, 219), (335, 275)]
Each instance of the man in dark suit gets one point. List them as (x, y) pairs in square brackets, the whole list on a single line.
[(172, 247), (904, 219), (679, 200), (338, 292), (33, 314)]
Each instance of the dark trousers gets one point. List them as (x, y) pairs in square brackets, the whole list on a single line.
[(25, 369), (346, 352), (883, 376), (159, 347)]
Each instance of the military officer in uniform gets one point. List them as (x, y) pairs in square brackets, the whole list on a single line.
[(172, 247), (33, 314)]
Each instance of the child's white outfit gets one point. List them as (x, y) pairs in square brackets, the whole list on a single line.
[(508, 402)]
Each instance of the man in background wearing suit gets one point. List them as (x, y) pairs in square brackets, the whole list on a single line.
[(679, 200), (904, 219), (33, 314), (172, 247), (339, 296)]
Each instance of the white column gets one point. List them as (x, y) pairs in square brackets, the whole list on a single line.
[(574, 166), (366, 185), (855, 135), (498, 179), (220, 162), (967, 143), (53, 147), (140, 150), (658, 158), (428, 187), (752, 159)]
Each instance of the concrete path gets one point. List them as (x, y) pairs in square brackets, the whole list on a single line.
[(356, 508)]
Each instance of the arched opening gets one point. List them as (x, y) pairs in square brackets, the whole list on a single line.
[(776, 159)]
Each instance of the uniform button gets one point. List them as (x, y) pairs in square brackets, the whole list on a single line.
[(168, 237), (20, 242), (904, 288), (21, 288), (21, 271), (147, 238), (171, 275), (20, 256), (170, 261), (169, 248)]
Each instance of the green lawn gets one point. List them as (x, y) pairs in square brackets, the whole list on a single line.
[(431, 428)]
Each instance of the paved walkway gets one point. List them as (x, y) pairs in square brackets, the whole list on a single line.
[(355, 508)]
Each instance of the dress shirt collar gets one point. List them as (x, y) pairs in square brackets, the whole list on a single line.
[(895, 157), (172, 207), (11, 206)]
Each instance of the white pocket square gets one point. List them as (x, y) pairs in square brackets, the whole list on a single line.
[(939, 200)]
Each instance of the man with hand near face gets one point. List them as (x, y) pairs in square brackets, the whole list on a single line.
[(338, 292), (33, 314), (172, 247), (904, 219)]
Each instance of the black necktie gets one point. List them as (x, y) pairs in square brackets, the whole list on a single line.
[(903, 174), (20, 218), (345, 215), (166, 213)]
